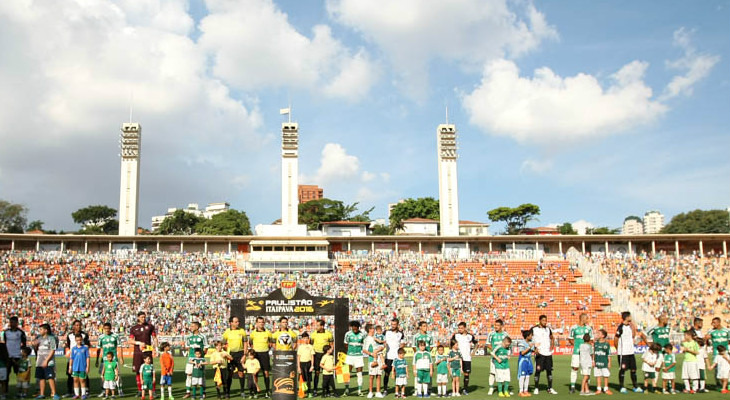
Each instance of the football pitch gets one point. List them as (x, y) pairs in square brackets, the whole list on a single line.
[(478, 385)]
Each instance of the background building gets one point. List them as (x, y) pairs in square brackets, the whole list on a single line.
[(653, 222), (192, 208), (632, 226), (345, 228), (130, 142), (309, 193), (472, 228), (419, 226)]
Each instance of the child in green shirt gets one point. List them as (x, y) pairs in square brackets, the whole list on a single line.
[(501, 363)]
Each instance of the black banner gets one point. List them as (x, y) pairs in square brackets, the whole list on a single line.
[(284, 375)]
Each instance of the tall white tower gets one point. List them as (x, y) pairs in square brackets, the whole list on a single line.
[(448, 190), (289, 174), (130, 144)]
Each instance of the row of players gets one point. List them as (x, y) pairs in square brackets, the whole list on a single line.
[(389, 343)]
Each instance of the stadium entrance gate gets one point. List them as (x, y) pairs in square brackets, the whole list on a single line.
[(291, 301)]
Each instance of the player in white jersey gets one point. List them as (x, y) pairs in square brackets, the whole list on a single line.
[(467, 343), (624, 343), (394, 340), (544, 342)]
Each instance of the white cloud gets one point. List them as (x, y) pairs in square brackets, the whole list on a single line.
[(335, 165), (368, 176), (697, 66), (548, 107), (536, 166), (252, 45), (414, 32)]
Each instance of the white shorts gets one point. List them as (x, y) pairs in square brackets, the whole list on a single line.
[(668, 376), (502, 375), (196, 381), (575, 361), (401, 381), (601, 372), (188, 369), (375, 371), (3, 374), (111, 385), (723, 372), (690, 370), (586, 371), (442, 378), (355, 361)]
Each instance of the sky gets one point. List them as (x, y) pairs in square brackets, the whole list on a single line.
[(594, 111)]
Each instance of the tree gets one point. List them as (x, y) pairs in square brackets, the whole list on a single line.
[(231, 222), (36, 225), (602, 230), (515, 218), (314, 212), (13, 217), (380, 230), (424, 207), (567, 229), (179, 223), (699, 221)]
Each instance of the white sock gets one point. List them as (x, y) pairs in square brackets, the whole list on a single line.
[(359, 381), (695, 385), (702, 385), (573, 377), (77, 391), (605, 388), (491, 380), (686, 385), (425, 388)]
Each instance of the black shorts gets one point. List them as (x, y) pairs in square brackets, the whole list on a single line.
[(13, 365), (627, 362), (543, 363), (466, 366), (388, 364), (264, 360), (138, 360), (317, 361), (236, 364)]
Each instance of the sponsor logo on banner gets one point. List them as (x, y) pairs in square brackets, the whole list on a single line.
[(289, 289)]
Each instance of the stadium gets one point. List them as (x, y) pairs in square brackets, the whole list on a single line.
[(431, 305)]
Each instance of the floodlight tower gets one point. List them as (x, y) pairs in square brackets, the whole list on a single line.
[(289, 171), (448, 189), (130, 145)]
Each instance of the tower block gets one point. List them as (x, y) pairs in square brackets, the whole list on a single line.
[(448, 182), (130, 145)]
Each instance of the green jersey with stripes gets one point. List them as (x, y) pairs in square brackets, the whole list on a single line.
[(401, 367), (354, 342), (670, 360), (442, 364), (109, 344), (495, 339), (659, 335), (503, 354), (719, 337), (425, 337), (601, 351), (576, 334), (422, 360), (195, 342)]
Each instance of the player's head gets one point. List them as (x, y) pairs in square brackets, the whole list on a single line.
[(698, 322), (716, 323), (543, 320), (218, 345), (378, 329), (668, 348), (305, 337), (79, 340), (165, 346), (13, 322), (234, 322), (700, 341), (583, 319), (394, 323), (195, 326), (663, 319), (148, 359), (107, 327), (527, 334), (198, 353), (506, 342), (283, 323), (587, 338), (655, 347), (498, 325), (401, 352), (721, 349), (369, 328), (76, 326), (251, 353), (26, 351), (141, 317), (259, 323), (423, 326), (355, 326), (461, 327), (440, 349), (320, 325), (602, 334), (327, 349), (45, 329), (454, 345), (626, 317), (689, 334), (110, 355), (421, 345)]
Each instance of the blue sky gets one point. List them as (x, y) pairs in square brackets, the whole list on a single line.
[(592, 110)]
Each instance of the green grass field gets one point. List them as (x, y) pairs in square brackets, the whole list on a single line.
[(477, 385)]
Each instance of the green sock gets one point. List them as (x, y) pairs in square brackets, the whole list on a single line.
[(499, 387)]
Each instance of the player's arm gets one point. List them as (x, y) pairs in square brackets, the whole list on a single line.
[(552, 341), (155, 343), (98, 353), (70, 362), (88, 361), (571, 337), (616, 338)]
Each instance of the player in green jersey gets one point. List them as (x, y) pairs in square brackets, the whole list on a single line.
[(602, 361), (194, 341), (575, 338), (717, 336), (494, 340), (354, 339), (109, 343)]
